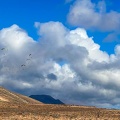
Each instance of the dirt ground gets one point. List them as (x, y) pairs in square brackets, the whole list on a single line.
[(55, 112)]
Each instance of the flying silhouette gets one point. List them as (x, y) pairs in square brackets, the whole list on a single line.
[(2, 48), (3, 53), (23, 65), (27, 61)]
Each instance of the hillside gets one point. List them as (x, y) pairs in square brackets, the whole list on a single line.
[(14, 106), (10, 97), (47, 99)]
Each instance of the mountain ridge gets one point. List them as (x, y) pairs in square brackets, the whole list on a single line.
[(46, 99)]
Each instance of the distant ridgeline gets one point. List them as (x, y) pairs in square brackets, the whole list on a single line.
[(47, 99)]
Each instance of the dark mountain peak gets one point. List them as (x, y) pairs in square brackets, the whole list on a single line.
[(47, 99)]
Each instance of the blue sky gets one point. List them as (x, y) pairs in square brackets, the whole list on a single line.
[(65, 48), (24, 13)]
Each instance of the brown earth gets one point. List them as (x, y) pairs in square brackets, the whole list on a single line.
[(12, 110), (11, 97)]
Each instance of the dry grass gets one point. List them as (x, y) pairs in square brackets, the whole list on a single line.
[(18, 107), (55, 112), (8, 96)]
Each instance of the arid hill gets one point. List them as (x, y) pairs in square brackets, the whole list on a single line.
[(18, 107), (8, 96)]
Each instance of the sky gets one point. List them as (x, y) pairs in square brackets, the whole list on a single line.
[(69, 49)]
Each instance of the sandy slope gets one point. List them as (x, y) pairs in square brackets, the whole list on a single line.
[(8, 96)]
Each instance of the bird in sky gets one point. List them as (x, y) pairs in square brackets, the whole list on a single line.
[(23, 65), (2, 48)]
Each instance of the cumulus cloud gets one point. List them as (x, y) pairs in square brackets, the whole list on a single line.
[(89, 15), (87, 75)]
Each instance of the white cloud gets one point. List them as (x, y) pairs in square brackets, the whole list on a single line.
[(89, 15), (88, 74), (54, 33), (17, 37), (79, 37)]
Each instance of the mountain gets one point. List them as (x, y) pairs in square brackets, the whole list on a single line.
[(7, 96), (47, 99)]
